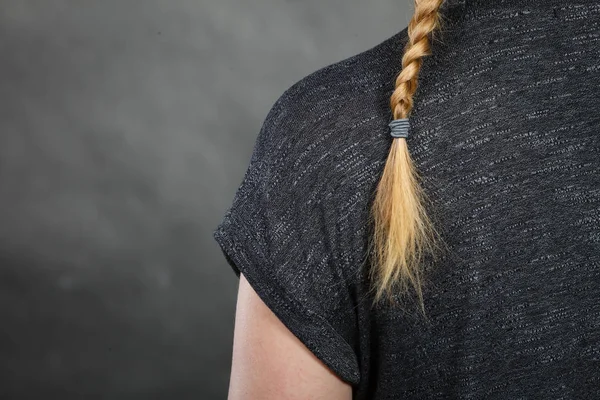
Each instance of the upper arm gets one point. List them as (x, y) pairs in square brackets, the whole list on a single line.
[(269, 362)]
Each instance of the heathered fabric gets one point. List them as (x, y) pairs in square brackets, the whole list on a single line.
[(505, 133)]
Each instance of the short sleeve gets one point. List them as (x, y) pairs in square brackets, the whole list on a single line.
[(280, 232)]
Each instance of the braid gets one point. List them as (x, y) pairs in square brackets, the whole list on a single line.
[(402, 229)]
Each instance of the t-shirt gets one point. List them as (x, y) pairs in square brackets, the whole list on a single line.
[(505, 135)]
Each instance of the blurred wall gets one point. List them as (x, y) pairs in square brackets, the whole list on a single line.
[(125, 128)]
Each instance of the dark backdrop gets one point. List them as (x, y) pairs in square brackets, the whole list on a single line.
[(125, 128)]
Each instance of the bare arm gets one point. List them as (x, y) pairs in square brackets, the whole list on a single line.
[(270, 363)]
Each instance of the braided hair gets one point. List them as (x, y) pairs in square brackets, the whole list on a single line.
[(403, 232)]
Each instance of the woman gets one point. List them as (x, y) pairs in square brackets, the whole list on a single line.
[(422, 220)]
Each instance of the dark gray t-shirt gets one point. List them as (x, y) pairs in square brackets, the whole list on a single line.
[(505, 133)]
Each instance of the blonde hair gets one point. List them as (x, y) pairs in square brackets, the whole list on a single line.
[(402, 231)]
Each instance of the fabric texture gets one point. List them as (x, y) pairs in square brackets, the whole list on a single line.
[(505, 134)]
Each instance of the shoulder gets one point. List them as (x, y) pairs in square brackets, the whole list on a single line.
[(316, 126), (315, 95)]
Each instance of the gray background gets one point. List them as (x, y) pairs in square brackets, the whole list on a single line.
[(125, 128)]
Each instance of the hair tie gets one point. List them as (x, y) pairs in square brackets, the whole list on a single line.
[(399, 128)]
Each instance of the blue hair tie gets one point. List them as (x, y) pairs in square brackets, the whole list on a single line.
[(399, 128)]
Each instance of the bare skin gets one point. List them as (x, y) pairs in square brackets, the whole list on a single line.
[(271, 363)]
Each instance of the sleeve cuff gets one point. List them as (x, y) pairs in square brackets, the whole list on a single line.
[(313, 330)]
